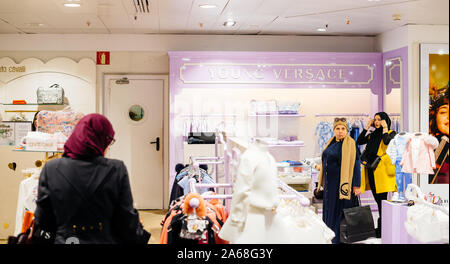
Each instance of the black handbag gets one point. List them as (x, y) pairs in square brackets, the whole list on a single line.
[(318, 194), (357, 224), (374, 164)]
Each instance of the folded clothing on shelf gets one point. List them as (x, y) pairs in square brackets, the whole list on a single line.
[(19, 102), (288, 108), (44, 141), (293, 163)]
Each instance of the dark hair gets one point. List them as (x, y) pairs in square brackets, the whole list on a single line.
[(440, 100), (33, 126)]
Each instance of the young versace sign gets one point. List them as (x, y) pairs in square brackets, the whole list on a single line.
[(251, 73)]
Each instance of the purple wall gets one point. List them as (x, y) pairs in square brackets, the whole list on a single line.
[(234, 70), (400, 55)]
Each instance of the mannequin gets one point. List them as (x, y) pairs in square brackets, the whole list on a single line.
[(253, 218)]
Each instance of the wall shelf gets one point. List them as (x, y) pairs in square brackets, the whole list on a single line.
[(33, 104), (47, 151), (279, 115)]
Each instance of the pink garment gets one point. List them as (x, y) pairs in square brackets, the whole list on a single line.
[(57, 121), (419, 155)]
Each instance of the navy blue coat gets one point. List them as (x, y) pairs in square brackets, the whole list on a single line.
[(332, 205), (88, 202)]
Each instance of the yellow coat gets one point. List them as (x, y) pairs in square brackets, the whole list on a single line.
[(384, 174)]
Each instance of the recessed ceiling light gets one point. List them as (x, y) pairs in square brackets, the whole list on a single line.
[(373, 0), (322, 29), (229, 23), (35, 24), (71, 5), (207, 6)]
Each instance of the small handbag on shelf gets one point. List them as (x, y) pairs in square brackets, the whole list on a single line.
[(357, 224), (50, 95)]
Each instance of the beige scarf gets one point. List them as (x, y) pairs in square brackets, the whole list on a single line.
[(347, 165)]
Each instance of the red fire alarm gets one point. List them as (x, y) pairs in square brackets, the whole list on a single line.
[(102, 57)]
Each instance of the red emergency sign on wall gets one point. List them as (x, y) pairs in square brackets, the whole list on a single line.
[(102, 57)]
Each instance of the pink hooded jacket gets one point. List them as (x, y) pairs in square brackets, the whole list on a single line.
[(419, 154)]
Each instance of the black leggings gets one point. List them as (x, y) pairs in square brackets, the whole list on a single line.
[(378, 196)]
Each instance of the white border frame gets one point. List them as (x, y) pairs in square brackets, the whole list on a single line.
[(425, 50)]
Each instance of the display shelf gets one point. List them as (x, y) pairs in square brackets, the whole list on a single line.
[(299, 180), (210, 115), (285, 145), (31, 104), (44, 151), (4, 121), (278, 115)]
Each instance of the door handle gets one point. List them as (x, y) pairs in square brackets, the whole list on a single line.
[(157, 143)]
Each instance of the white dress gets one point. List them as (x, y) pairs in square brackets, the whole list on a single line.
[(28, 191), (255, 194)]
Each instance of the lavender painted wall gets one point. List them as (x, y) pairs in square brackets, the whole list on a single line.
[(296, 70), (402, 55)]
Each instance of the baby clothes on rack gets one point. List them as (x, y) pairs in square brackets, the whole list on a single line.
[(204, 178), (426, 222), (324, 131), (356, 129), (27, 198), (419, 155), (395, 151), (180, 184), (172, 223), (397, 125)]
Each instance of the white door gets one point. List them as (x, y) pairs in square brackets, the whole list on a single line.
[(135, 110)]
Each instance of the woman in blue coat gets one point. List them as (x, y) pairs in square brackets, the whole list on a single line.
[(340, 176)]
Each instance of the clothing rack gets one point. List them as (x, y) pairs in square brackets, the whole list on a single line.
[(414, 193), (225, 160), (341, 114), (292, 194)]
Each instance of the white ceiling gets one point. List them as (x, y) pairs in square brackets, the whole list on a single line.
[(263, 17)]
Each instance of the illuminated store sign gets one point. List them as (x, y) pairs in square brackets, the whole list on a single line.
[(251, 73)]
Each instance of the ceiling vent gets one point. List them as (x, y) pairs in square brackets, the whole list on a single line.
[(141, 6)]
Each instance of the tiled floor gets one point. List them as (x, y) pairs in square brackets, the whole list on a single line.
[(151, 220)]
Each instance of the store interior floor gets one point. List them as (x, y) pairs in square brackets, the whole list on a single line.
[(151, 220)]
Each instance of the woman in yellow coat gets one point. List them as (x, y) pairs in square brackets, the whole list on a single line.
[(380, 180)]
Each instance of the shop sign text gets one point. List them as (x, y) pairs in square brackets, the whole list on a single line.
[(12, 69), (277, 73)]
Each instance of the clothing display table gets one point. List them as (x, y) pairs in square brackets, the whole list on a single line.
[(393, 229)]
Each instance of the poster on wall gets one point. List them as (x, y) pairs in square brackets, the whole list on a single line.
[(11, 133), (434, 87), (7, 134), (20, 131), (438, 114)]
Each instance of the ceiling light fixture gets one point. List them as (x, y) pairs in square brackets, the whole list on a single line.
[(323, 29), (71, 5), (207, 6), (229, 23)]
